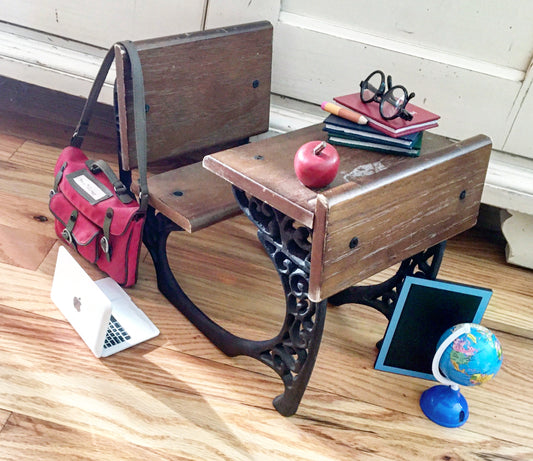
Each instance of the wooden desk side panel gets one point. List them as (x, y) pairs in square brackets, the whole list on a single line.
[(201, 90), (396, 220)]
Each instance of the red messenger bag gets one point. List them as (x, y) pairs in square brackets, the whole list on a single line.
[(94, 212)]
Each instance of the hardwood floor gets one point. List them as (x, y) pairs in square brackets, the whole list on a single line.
[(177, 397)]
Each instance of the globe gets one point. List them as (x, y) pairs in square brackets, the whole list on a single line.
[(467, 354), (471, 359)]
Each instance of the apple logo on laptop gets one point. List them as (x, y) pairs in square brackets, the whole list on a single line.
[(76, 302)]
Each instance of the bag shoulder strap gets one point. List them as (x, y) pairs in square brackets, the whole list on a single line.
[(139, 113)]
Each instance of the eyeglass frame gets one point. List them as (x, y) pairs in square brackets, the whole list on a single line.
[(380, 96)]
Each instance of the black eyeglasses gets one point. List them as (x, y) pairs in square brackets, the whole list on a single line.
[(391, 102)]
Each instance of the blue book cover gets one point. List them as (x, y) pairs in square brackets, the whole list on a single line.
[(339, 126)]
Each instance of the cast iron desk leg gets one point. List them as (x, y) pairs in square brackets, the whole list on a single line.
[(292, 352)]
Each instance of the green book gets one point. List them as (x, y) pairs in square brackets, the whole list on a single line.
[(376, 146)]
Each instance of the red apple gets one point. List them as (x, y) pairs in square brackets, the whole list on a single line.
[(316, 164)]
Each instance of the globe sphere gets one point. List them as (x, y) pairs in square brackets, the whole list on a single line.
[(473, 358)]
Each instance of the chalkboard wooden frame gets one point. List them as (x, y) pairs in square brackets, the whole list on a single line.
[(424, 311)]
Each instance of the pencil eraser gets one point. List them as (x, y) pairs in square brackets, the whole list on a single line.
[(323, 105)]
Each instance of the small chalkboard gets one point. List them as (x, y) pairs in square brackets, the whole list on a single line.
[(424, 311)]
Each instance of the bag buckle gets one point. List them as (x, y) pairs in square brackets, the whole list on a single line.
[(143, 201), (104, 244), (67, 235), (120, 189), (104, 241), (94, 167)]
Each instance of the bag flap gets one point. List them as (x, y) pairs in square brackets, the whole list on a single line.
[(92, 194), (84, 230)]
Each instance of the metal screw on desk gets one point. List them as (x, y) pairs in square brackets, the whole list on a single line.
[(177, 193), (354, 242), (255, 83), (258, 157), (462, 195)]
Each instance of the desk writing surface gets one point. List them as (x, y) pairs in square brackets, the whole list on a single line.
[(392, 206), (265, 169)]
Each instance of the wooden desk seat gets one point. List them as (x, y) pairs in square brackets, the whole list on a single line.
[(192, 197), (204, 91)]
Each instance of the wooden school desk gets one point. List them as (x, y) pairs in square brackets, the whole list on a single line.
[(380, 210)]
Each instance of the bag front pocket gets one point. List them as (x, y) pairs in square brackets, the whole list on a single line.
[(74, 228)]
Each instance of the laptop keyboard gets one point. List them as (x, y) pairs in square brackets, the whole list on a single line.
[(116, 334)]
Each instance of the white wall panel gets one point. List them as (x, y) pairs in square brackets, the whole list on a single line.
[(314, 66), (52, 62), (490, 30), (222, 13), (102, 22)]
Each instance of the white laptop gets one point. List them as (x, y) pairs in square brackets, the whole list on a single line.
[(100, 311)]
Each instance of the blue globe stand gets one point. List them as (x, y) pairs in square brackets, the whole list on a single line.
[(445, 406)]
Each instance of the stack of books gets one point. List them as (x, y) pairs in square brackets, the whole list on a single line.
[(397, 136)]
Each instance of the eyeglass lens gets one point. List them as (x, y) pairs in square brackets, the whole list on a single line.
[(393, 101), (372, 87)]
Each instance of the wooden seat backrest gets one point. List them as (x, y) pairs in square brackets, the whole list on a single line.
[(204, 91)]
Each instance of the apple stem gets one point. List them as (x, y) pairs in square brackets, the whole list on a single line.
[(319, 148)]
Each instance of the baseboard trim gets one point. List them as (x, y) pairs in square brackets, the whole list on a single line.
[(52, 62)]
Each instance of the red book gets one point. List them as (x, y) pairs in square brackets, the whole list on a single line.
[(422, 119)]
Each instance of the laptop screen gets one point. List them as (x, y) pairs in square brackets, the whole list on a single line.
[(81, 301)]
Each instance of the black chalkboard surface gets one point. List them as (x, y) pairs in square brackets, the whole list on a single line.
[(424, 311)]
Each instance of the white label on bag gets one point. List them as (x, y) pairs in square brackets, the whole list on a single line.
[(89, 187)]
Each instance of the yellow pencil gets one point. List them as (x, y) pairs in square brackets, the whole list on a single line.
[(344, 113)]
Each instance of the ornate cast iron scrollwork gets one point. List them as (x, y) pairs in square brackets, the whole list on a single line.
[(277, 229), (293, 353)]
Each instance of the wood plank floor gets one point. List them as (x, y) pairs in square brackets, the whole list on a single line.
[(177, 397)]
